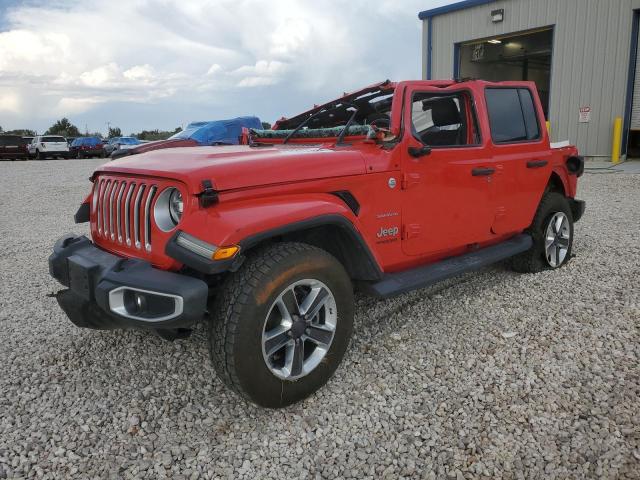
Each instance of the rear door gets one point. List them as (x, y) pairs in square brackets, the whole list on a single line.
[(521, 156), (445, 192)]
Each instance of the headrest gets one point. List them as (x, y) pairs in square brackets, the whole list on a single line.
[(444, 112)]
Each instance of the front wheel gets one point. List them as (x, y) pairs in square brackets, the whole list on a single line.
[(552, 233), (281, 324)]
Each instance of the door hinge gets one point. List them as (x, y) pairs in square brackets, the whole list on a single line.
[(411, 230), (409, 180)]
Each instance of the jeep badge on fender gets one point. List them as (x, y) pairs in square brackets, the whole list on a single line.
[(266, 241)]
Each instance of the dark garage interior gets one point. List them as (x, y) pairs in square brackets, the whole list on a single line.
[(523, 56)]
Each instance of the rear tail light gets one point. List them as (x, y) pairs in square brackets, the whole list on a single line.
[(42, 144)]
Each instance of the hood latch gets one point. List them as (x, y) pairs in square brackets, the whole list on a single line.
[(208, 196)]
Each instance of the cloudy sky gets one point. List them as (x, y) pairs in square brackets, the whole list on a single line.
[(145, 64)]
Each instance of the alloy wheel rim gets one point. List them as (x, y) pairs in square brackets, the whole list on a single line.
[(557, 238), (299, 329)]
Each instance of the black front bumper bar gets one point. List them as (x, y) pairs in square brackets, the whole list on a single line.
[(105, 291)]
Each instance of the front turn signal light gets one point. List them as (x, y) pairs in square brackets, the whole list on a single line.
[(224, 253)]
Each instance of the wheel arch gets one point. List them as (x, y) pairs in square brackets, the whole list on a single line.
[(331, 232), (557, 183)]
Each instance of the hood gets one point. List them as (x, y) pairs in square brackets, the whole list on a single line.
[(241, 166)]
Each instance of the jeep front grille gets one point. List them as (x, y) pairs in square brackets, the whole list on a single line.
[(123, 211)]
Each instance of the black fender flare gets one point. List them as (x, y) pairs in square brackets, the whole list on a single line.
[(355, 254)]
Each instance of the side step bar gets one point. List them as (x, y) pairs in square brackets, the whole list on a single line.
[(424, 276)]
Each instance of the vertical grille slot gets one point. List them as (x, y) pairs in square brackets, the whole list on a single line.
[(103, 210), (147, 218), (127, 214), (136, 216), (112, 194), (97, 204), (123, 187)]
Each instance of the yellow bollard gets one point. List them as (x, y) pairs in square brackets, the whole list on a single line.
[(548, 128), (617, 140)]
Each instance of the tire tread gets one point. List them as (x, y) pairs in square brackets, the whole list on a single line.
[(234, 294)]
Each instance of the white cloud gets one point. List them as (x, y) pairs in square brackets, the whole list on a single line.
[(197, 57), (10, 102)]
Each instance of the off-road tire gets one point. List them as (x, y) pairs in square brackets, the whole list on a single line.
[(240, 310), (533, 260)]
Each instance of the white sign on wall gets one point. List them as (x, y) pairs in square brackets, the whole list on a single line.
[(585, 114)]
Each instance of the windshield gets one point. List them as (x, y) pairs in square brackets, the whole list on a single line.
[(128, 141), (370, 107)]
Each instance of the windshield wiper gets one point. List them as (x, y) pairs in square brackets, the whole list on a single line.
[(343, 132), (297, 129)]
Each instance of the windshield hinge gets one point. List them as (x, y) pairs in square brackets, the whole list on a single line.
[(208, 196)]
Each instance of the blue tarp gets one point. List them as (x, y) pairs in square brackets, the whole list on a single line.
[(218, 131)]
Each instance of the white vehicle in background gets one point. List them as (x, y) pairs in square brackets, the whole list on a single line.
[(44, 146)]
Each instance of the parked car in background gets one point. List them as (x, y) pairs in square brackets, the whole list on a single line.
[(13, 147), (48, 146), (27, 140), (83, 147), (213, 132), (120, 143)]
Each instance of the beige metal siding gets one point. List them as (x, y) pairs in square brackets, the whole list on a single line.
[(589, 63)]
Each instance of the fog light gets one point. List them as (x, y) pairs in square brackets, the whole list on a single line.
[(139, 303), (144, 305)]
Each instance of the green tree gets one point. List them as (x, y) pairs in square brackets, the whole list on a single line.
[(63, 127), (155, 134), (266, 126), (114, 132)]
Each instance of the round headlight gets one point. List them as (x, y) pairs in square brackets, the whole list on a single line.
[(168, 209), (176, 206)]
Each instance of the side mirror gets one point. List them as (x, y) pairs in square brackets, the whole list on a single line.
[(417, 152)]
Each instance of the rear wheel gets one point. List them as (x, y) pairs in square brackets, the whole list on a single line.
[(78, 155), (281, 324), (552, 233), (39, 155)]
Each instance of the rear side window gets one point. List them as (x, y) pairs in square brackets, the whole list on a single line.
[(512, 115), (11, 140)]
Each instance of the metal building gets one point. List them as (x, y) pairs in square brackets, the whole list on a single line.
[(582, 54)]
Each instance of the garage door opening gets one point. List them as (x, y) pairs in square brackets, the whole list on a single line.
[(522, 56), (633, 135)]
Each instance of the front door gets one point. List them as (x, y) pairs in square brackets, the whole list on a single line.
[(447, 173)]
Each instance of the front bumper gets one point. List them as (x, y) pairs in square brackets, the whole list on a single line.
[(105, 291)]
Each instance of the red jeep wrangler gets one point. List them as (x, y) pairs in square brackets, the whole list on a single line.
[(387, 189)]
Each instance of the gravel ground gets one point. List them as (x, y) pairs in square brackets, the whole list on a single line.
[(494, 375)]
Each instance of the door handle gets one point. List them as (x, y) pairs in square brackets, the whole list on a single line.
[(482, 172), (536, 163), (417, 152)]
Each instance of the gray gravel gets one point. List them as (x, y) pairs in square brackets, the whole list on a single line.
[(495, 375)]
